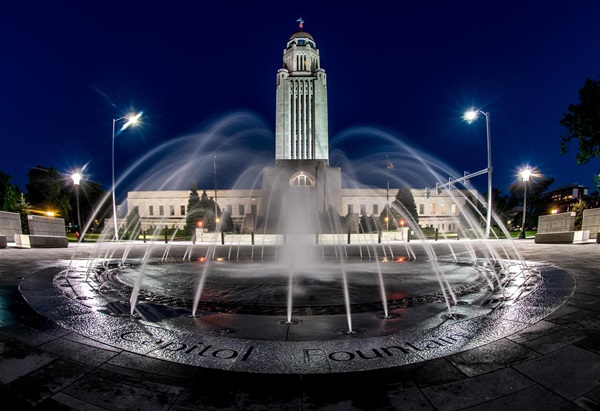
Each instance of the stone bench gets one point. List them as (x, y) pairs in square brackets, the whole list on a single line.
[(40, 241), (562, 237), (559, 237)]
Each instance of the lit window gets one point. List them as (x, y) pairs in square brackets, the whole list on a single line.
[(432, 209), (453, 208), (443, 208)]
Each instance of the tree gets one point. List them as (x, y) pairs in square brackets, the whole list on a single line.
[(405, 204), (9, 194), (387, 219), (207, 205), (578, 208), (93, 202), (209, 208), (194, 212), (46, 191), (582, 123), (502, 204), (537, 203)]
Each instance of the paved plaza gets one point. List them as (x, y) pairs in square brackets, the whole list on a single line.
[(552, 364)]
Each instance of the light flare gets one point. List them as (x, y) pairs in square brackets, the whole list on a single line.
[(131, 120)]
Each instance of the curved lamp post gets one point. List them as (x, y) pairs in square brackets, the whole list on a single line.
[(470, 116), (525, 174), (130, 120), (76, 179)]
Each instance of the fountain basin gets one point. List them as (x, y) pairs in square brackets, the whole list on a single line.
[(267, 343), (262, 288)]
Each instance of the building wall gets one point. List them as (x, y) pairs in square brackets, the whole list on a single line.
[(442, 211)]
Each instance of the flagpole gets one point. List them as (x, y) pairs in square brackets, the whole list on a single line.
[(387, 194), (215, 175)]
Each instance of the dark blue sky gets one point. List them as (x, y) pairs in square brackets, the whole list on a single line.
[(409, 68)]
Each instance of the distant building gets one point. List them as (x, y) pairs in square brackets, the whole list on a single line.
[(564, 197), (302, 169)]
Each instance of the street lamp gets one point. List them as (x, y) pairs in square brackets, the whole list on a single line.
[(76, 179), (525, 174), (133, 119), (470, 116)]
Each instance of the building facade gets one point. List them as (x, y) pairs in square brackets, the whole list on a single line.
[(302, 172), (168, 208)]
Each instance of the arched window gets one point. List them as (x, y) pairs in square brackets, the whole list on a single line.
[(301, 180)]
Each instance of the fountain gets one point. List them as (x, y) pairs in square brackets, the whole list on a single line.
[(307, 302)]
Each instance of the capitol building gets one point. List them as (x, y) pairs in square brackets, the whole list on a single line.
[(301, 167)]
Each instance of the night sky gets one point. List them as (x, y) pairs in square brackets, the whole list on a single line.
[(406, 68)]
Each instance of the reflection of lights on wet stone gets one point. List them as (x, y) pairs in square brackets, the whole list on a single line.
[(390, 316), (291, 322), (420, 326), (223, 331)]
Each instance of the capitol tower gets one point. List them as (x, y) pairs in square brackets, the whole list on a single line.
[(301, 128), (302, 175)]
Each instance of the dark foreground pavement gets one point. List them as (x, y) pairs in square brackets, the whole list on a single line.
[(552, 365)]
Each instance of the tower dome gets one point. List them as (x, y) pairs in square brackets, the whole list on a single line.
[(301, 38), (302, 33)]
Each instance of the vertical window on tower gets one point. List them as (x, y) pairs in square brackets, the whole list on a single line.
[(375, 209), (421, 209), (172, 210), (151, 210), (182, 210), (241, 209), (161, 210), (350, 209)]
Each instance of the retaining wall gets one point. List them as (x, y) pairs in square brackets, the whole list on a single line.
[(10, 224), (591, 222), (44, 232)]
